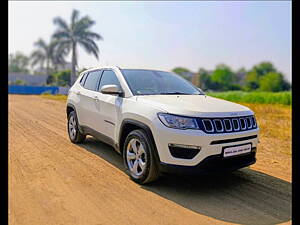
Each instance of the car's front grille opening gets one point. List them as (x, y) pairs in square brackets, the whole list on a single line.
[(227, 124), (236, 125), (243, 124), (249, 122), (208, 125), (218, 125), (253, 121)]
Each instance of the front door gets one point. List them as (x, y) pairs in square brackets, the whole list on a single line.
[(108, 106)]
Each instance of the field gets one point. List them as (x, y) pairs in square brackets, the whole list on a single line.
[(52, 181), (284, 98)]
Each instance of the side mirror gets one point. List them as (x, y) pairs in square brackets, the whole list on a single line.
[(111, 89)]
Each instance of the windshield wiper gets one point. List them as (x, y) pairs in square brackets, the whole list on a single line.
[(174, 93)]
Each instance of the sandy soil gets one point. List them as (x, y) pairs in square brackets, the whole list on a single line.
[(52, 181)]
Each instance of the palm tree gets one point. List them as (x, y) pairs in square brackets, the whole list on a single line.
[(68, 37), (47, 53), (42, 54)]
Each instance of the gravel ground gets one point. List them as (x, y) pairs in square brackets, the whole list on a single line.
[(52, 181)]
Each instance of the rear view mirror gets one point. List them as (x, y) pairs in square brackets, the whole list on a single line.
[(111, 89)]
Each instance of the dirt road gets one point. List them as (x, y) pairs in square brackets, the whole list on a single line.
[(52, 181)]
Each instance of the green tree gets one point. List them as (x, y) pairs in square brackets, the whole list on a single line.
[(181, 71), (76, 33), (272, 82), (252, 81), (263, 68), (260, 78), (205, 80), (241, 76), (223, 78), (61, 78), (18, 63)]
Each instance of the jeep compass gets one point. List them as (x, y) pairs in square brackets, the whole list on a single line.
[(160, 122)]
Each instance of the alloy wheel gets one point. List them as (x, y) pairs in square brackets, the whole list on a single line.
[(136, 157), (72, 127)]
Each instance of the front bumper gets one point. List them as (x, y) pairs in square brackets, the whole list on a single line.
[(213, 164), (212, 145)]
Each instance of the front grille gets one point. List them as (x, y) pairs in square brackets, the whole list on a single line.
[(227, 125)]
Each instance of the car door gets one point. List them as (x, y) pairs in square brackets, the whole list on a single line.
[(108, 107), (88, 99), (78, 98)]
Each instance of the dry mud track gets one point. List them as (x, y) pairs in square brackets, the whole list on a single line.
[(52, 181)]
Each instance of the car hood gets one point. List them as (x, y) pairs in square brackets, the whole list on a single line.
[(194, 105)]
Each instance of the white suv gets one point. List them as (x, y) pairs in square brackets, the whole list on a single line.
[(159, 122)]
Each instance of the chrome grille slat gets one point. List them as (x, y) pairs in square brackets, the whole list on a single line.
[(218, 120), (245, 123), (211, 124), (249, 125), (238, 124), (229, 121)]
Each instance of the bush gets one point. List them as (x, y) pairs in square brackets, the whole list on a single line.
[(19, 82)]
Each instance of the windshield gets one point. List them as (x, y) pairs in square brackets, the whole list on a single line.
[(151, 82)]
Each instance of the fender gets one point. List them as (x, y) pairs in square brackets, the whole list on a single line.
[(143, 126)]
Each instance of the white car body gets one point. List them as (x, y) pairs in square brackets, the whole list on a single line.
[(105, 114)]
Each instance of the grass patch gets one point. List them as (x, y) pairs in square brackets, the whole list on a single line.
[(284, 98), (55, 97), (275, 126)]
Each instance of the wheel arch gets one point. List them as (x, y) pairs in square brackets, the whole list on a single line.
[(129, 125), (70, 108)]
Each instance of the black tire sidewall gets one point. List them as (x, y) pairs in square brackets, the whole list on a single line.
[(142, 137), (76, 139)]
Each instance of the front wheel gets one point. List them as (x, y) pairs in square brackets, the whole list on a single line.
[(139, 158)]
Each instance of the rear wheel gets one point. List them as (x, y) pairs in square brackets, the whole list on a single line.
[(73, 129), (139, 158)]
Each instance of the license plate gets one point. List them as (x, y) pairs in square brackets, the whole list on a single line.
[(237, 150)]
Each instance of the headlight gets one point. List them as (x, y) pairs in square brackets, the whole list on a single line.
[(178, 122)]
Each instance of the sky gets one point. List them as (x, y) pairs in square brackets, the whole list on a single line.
[(165, 34)]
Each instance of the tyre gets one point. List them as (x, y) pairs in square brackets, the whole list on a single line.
[(139, 157), (75, 135)]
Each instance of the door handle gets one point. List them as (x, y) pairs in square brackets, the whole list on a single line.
[(96, 98)]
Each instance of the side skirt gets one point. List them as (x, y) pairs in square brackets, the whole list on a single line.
[(101, 137)]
